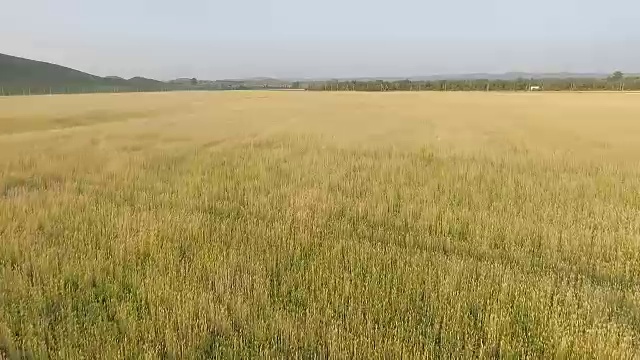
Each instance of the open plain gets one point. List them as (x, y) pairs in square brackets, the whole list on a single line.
[(300, 224)]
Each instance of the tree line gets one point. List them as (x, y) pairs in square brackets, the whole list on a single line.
[(616, 82)]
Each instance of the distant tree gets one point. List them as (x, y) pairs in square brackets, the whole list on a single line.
[(617, 76), (194, 81)]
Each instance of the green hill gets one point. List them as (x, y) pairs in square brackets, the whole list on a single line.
[(20, 76)]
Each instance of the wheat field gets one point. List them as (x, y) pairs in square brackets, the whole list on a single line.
[(320, 225)]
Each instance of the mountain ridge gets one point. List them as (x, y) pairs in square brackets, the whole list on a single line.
[(22, 73)]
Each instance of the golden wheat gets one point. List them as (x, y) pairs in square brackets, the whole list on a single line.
[(258, 224)]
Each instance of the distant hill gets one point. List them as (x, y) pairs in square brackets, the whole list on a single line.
[(473, 76), (19, 75), (141, 81), (15, 71), (257, 82), (510, 76), (23, 76)]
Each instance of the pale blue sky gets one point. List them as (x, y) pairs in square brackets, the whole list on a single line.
[(329, 38)]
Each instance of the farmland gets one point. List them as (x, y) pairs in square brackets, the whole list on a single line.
[(366, 225)]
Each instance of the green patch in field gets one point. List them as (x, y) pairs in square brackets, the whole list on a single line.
[(15, 185), (16, 125), (215, 345)]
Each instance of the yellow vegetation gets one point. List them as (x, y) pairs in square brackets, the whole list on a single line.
[(273, 224)]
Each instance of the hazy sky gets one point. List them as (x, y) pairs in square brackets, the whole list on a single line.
[(324, 38)]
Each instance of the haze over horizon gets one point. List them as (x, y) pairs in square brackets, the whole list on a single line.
[(291, 39)]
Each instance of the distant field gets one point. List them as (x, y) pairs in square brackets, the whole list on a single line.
[(296, 224)]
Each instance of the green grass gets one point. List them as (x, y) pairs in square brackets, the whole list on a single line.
[(304, 243)]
